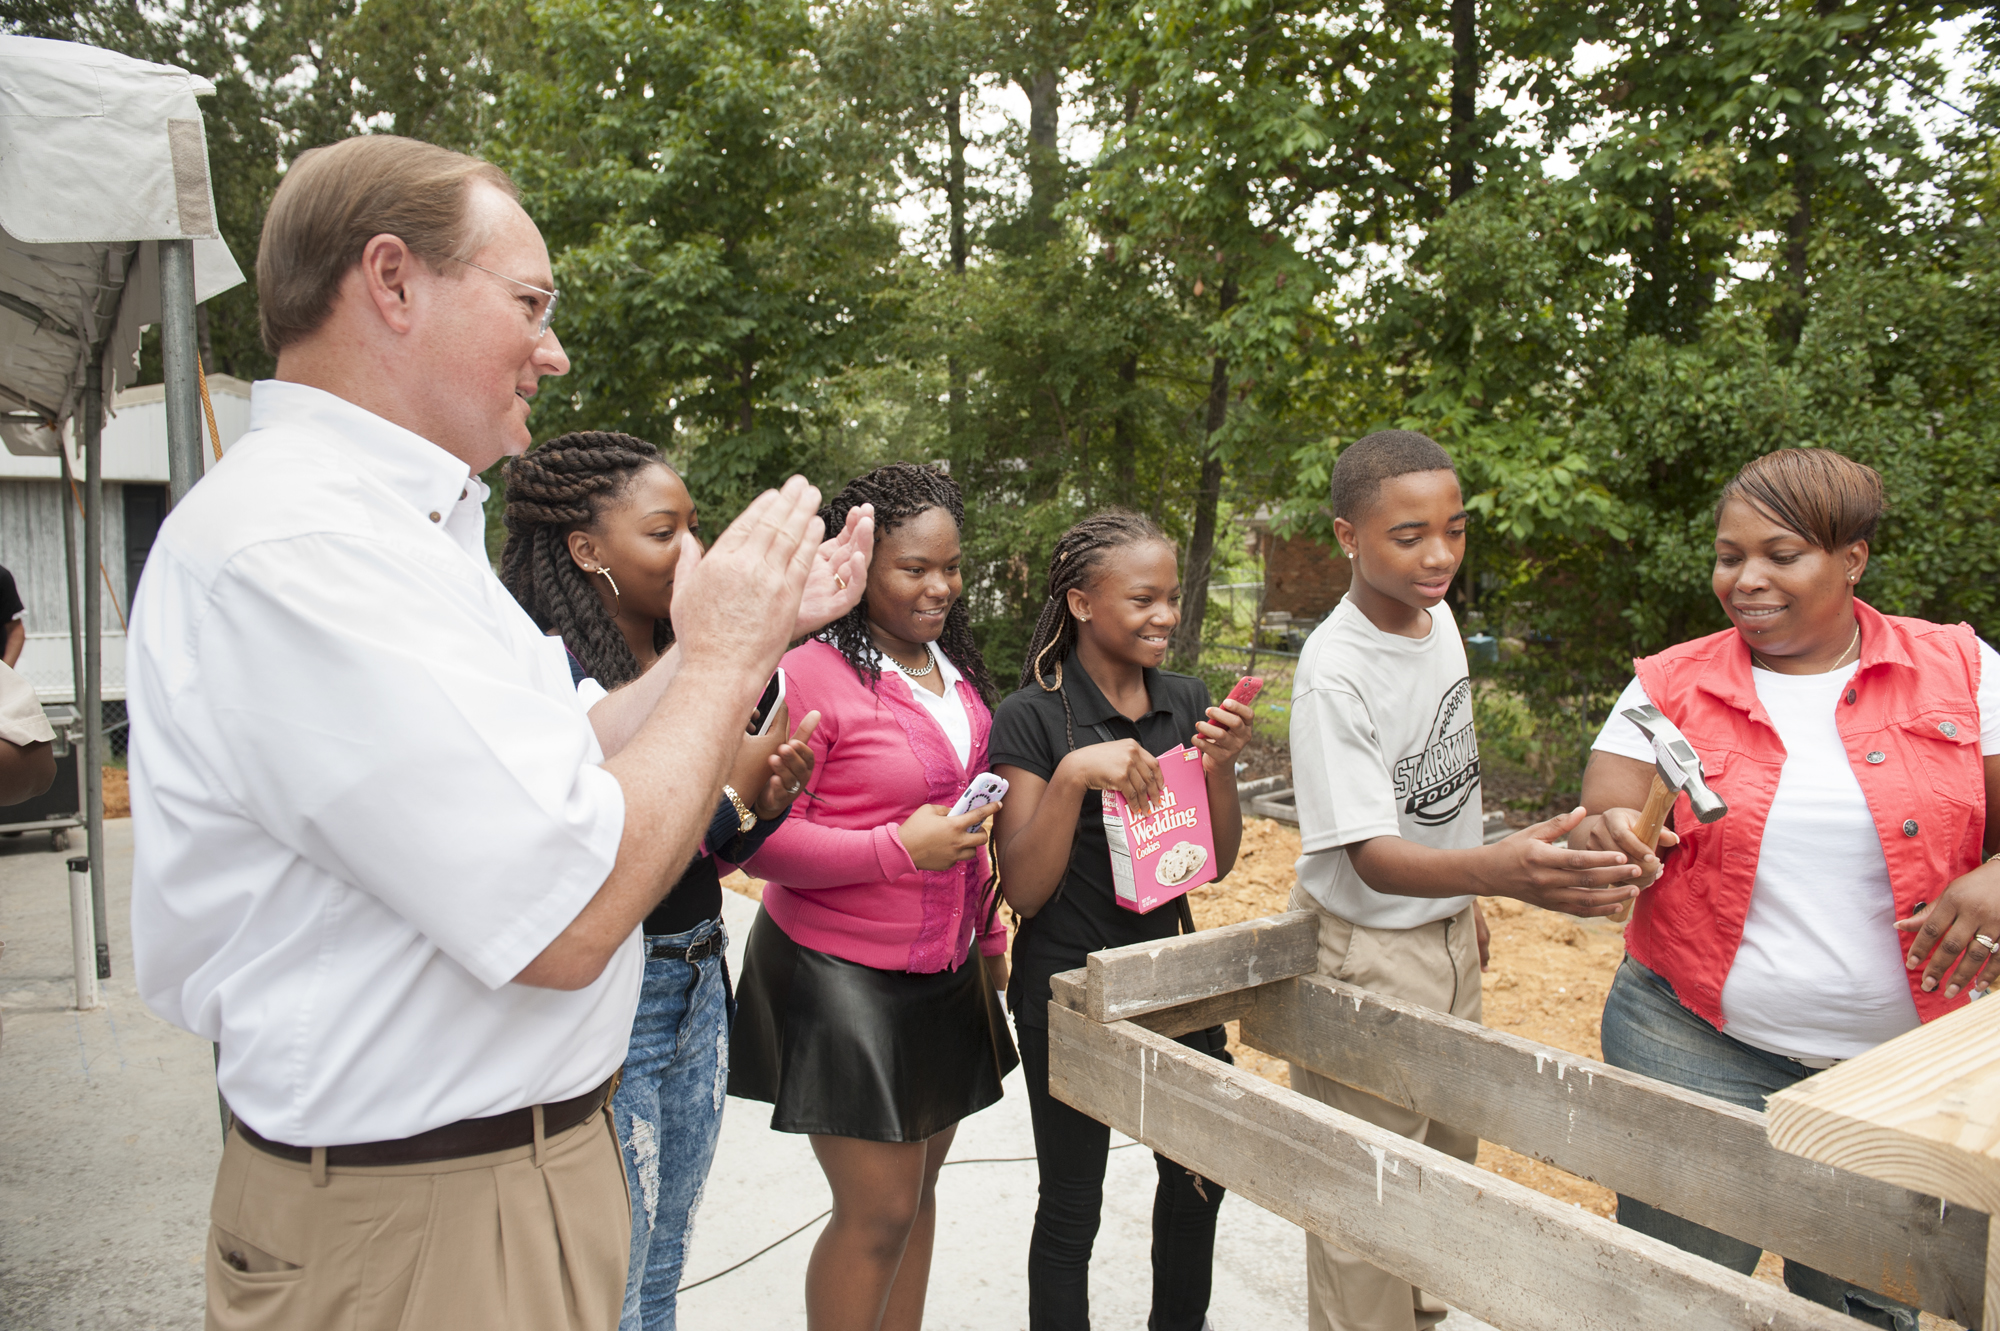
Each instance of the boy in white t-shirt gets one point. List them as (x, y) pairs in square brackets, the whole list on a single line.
[(1386, 767)]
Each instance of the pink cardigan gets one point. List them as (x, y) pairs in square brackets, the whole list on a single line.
[(838, 878)]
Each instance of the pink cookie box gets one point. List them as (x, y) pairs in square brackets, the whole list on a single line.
[(1158, 854)]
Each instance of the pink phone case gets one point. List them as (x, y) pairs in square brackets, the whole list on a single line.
[(1246, 690)]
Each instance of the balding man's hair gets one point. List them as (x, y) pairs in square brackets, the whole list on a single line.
[(336, 199), (1373, 459)]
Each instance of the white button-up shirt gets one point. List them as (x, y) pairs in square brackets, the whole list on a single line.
[(364, 792)]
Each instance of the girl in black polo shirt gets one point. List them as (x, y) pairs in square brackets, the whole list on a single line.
[(1092, 711)]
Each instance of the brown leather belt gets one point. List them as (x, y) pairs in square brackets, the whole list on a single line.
[(453, 1141)]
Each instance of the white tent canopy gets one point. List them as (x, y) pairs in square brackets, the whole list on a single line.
[(107, 224), (101, 157)]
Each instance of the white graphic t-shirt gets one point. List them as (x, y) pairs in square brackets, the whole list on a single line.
[(1382, 745)]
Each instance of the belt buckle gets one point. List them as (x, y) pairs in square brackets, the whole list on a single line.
[(703, 950)]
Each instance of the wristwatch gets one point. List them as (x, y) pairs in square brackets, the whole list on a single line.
[(745, 819)]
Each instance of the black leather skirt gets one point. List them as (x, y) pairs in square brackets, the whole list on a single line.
[(846, 1050)]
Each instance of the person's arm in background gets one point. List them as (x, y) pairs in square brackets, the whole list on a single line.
[(833, 587), (27, 751), (26, 770), (12, 610)]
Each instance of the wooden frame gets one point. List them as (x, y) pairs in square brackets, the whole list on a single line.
[(1922, 1111), (1499, 1250)]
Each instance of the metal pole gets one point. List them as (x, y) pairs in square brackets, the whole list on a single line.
[(74, 610), (178, 353), (80, 931), (93, 651)]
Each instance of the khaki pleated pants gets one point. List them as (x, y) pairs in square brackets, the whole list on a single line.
[(1436, 965), (499, 1242)]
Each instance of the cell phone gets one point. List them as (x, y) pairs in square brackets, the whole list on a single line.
[(1246, 690), (767, 704), (985, 789)]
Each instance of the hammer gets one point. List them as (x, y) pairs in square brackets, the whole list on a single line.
[(1676, 768)]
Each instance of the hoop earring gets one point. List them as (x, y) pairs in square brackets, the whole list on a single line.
[(606, 574)]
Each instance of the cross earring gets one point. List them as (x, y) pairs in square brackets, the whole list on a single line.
[(601, 569)]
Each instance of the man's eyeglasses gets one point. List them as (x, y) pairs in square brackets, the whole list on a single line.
[(548, 313)]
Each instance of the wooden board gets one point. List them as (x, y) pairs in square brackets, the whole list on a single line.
[(1068, 990), (1695, 1156), (1127, 982), (1922, 1110), (1500, 1251)]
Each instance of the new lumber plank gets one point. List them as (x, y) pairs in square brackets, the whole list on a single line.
[(1126, 982), (1503, 1252), (1922, 1110), (1690, 1154)]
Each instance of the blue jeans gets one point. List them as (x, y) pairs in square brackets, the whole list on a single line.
[(1646, 1030), (668, 1112)]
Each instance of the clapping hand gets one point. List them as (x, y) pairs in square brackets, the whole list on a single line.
[(771, 770), (839, 573)]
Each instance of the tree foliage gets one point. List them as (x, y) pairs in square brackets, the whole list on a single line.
[(1176, 254)]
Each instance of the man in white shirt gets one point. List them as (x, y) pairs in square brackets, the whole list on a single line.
[(381, 854)]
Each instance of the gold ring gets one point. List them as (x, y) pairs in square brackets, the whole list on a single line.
[(839, 583)]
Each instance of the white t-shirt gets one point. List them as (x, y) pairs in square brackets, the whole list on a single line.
[(1819, 973), (364, 792), (947, 710), (1382, 745)]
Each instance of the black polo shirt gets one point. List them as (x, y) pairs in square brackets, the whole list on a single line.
[(1084, 915)]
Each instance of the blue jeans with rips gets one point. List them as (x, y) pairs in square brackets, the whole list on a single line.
[(668, 1112), (1646, 1030)]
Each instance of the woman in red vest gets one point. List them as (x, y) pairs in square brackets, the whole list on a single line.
[(1844, 899)]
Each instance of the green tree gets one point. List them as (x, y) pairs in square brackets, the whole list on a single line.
[(717, 222)]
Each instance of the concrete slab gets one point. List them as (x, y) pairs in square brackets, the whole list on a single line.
[(109, 1132), (109, 1140), (766, 1184)]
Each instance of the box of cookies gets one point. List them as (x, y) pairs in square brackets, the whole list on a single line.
[(1159, 853)]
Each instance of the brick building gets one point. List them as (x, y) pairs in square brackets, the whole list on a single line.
[(1301, 577)]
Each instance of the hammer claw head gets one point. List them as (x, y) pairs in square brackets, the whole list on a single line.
[(1676, 761)]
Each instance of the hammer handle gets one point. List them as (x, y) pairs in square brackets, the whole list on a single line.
[(1659, 801)]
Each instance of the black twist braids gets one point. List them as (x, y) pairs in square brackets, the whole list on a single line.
[(551, 491), (899, 492), (1075, 561)]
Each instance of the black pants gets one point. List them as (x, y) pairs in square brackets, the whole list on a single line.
[(1070, 1151)]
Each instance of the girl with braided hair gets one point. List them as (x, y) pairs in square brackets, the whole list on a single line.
[(1093, 710), (594, 533), (869, 1018)]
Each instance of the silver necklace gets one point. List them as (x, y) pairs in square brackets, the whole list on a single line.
[(930, 664), (1759, 661)]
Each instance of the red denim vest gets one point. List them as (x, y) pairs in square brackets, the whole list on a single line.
[(1910, 721)]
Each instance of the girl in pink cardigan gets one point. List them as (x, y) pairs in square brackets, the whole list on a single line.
[(867, 1017)]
